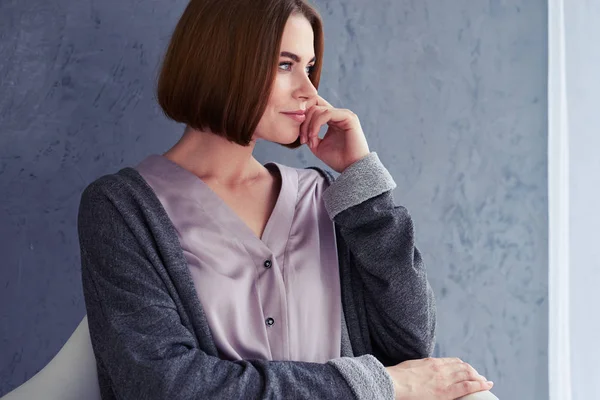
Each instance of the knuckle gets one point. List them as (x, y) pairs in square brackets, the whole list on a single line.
[(465, 367), (440, 391), (472, 375)]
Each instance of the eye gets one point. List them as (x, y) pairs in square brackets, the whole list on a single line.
[(288, 66)]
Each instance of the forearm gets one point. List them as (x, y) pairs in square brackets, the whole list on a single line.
[(149, 354), (398, 298)]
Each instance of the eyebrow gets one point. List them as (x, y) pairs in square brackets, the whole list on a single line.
[(293, 56)]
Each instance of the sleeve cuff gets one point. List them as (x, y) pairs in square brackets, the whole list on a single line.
[(366, 376), (364, 179)]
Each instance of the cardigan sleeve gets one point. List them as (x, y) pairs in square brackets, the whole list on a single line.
[(390, 281), (145, 350)]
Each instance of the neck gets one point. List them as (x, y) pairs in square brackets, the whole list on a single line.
[(216, 160)]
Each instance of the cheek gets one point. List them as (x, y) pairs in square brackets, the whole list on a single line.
[(270, 115), (273, 109), (269, 118), (278, 102), (280, 93)]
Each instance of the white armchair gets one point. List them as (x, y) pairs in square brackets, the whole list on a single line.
[(485, 395), (70, 375)]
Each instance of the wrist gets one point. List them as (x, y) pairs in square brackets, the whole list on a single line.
[(388, 370), (354, 160)]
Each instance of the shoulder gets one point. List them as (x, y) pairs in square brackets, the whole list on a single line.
[(321, 173), (117, 185), (124, 192), (311, 173), (122, 203)]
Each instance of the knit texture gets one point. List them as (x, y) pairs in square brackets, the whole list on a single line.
[(148, 330)]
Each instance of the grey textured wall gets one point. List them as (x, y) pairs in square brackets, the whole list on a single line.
[(452, 95)]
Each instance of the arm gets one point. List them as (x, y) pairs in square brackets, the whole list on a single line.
[(146, 350), (399, 303)]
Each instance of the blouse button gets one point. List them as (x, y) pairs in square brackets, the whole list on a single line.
[(267, 264), (270, 321)]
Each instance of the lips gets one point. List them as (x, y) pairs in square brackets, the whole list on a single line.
[(298, 116), (297, 112)]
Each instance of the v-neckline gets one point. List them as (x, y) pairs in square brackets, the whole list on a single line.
[(239, 221), (278, 226)]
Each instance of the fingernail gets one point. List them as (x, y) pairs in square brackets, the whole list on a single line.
[(302, 140), (490, 382)]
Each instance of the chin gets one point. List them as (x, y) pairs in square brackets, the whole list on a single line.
[(292, 142), (288, 138)]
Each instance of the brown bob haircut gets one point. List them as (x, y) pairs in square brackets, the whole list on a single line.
[(221, 62)]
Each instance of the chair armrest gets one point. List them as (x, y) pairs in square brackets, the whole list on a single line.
[(485, 395)]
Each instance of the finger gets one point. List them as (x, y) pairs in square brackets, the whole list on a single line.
[(468, 374), (318, 119), (473, 372), (304, 128), (322, 102), (467, 387), (326, 116), (305, 125), (450, 369)]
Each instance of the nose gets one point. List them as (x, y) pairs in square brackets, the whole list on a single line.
[(306, 89)]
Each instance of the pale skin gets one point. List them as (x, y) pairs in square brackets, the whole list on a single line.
[(251, 190)]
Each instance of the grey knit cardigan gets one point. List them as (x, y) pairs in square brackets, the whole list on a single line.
[(151, 339)]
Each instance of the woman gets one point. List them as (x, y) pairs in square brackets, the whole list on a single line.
[(209, 275)]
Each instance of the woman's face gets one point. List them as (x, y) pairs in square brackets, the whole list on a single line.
[(292, 91)]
